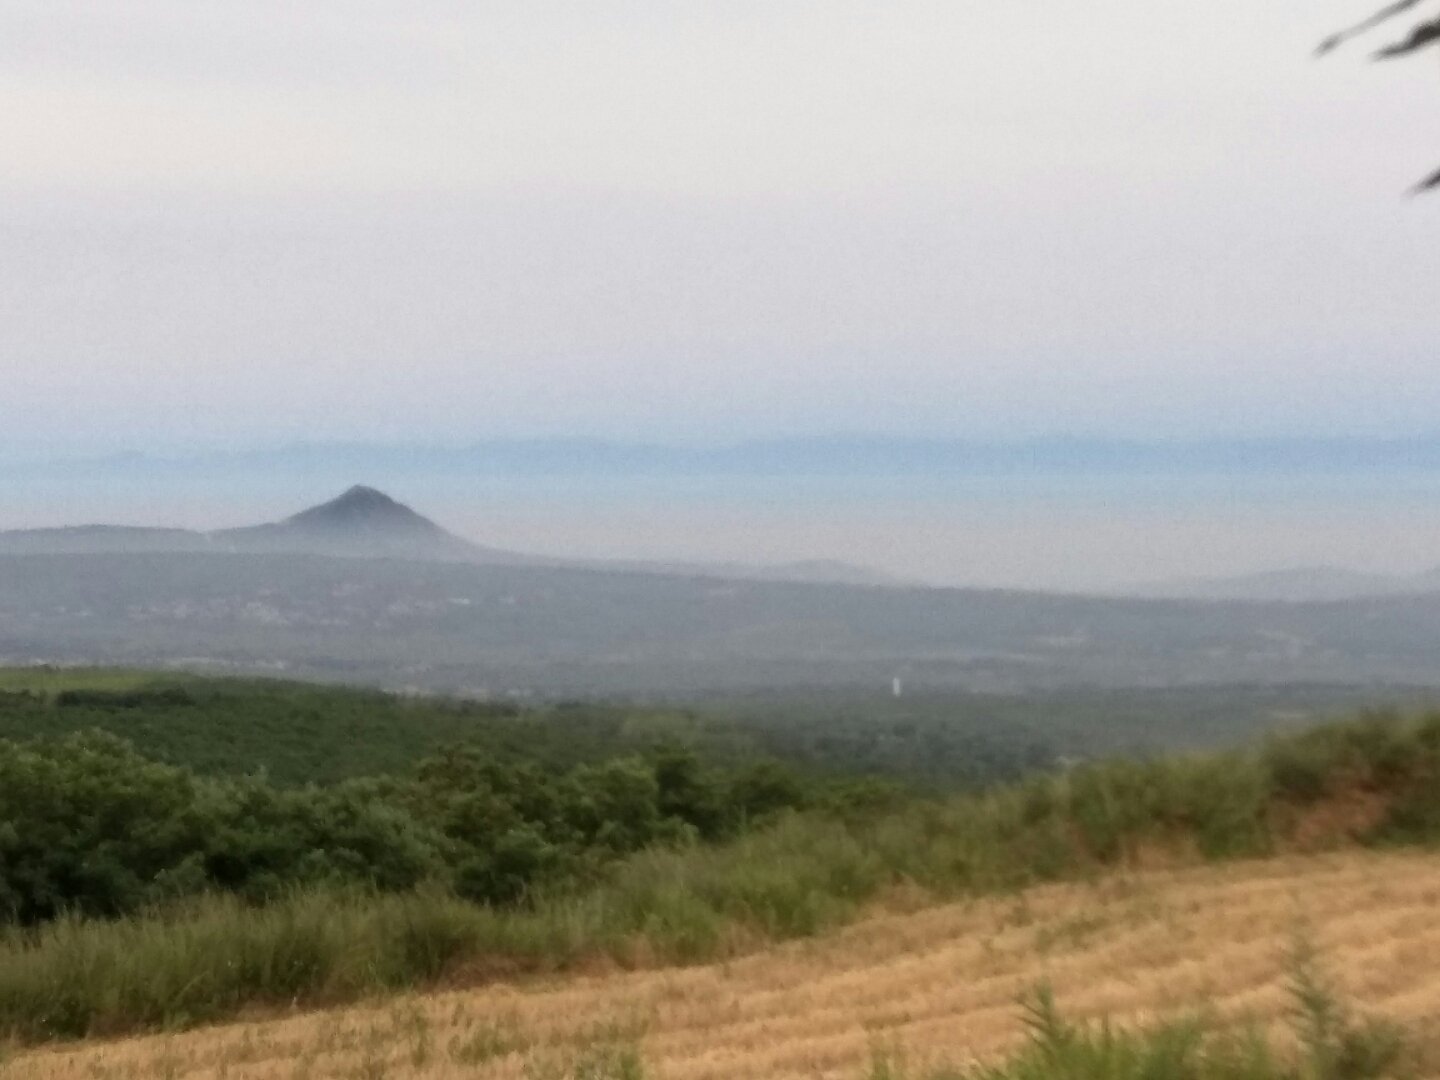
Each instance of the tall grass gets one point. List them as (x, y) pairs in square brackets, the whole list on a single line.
[(210, 958), (1326, 1044)]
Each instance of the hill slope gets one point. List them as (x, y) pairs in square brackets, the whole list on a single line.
[(447, 625), (360, 522), (1296, 586), (365, 523), (942, 983), (96, 539)]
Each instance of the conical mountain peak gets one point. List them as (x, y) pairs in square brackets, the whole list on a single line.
[(363, 493), (363, 509), (361, 521)]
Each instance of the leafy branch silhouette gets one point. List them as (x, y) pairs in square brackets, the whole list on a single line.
[(1422, 34)]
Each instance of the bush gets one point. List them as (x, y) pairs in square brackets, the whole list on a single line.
[(89, 826)]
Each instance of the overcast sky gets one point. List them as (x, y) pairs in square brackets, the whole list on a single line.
[(238, 224)]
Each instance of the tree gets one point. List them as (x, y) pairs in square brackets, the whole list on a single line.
[(1422, 35)]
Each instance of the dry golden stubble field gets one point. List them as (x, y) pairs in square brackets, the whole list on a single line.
[(940, 982)]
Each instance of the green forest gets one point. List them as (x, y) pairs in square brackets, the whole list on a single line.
[(296, 733), (120, 791), (94, 826), (148, 879)]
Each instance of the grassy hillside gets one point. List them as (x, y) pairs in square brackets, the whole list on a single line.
[(1184, 964), (1375, 781)]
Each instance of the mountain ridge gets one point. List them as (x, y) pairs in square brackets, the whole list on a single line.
[(1301, 584), (365, 522), (360, 522), (838, 454)]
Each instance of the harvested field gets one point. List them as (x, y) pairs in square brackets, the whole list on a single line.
[(940, 982)]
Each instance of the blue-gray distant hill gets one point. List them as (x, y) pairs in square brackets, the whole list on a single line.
[(1299, 585), (847, 456), (584, 632), (364, 588), (100, 539), (366, 523), (361, 523)]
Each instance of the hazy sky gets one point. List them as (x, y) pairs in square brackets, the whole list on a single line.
[(227, 223)]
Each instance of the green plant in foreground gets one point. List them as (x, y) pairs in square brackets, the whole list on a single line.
[(1337, 1046), (1331, 1045), (606, 1061)]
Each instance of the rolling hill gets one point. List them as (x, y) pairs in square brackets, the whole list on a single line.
[(939, 985), (574, 631), (1298, 585)]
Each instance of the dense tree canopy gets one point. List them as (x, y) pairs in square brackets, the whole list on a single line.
[(88, 825)]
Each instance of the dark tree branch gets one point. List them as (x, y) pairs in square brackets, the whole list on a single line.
[(1334, 41), (1422, 35), (1430, 183)]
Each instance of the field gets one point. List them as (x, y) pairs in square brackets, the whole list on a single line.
[(493, 911), (938, 984)]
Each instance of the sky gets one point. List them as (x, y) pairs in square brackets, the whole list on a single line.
[(240, 225), (230, 227)]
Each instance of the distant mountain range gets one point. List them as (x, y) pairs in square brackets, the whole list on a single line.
[(566, 632), (366, 523), (1299, 585), (820, 456), (364, 588)]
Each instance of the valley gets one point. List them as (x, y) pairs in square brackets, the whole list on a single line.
[(713, 541), (447, 626)]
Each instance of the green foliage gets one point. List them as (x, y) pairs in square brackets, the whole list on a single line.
[(297, 734), (1331, 1047), (1216, 802), (88, 818), (802, 873), (223, 890), (293, 733), (1372, 751), (1336, 1046), (1380, 755), (89, 826)]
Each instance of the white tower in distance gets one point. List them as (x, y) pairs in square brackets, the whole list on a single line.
[(895, 686)]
